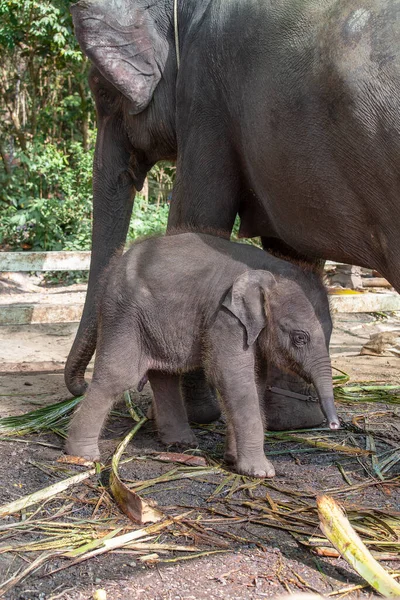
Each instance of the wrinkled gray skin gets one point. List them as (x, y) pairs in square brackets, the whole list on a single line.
[(285, 112), (174, 304)]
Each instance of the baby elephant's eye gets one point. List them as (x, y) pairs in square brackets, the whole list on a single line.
[(300, 338)]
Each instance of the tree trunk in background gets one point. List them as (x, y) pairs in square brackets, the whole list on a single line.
[(4, 158)]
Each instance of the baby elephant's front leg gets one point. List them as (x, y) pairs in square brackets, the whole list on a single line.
[(232, 369), (245, 433), (263, 468)]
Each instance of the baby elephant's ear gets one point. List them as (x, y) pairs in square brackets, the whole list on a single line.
[(245, 300)]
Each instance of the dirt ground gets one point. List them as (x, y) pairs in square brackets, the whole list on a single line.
[(255, 561)]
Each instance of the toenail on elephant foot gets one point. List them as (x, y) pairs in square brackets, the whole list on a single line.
[(200, 399)]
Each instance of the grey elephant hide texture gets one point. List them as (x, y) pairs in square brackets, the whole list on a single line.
[(173, 304), (286, 113)]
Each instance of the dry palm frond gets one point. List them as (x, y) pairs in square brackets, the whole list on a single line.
[(44, 494), (323, 444), (230, 502), (129, 502)]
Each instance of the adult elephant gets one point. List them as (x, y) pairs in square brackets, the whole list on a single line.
[(285, 112)]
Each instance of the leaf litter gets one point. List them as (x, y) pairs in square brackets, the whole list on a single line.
[(44, 525)]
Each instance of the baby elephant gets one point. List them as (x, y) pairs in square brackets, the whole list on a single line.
[(176, 303)]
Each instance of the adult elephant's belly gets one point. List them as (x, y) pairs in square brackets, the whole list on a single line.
[(334, 197), (312, 222), (320, 136)]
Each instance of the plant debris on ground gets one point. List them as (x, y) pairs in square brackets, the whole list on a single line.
[(49, 532)]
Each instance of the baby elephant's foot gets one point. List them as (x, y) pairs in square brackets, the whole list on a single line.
[(255, 468), (87, 450), (184, 438)]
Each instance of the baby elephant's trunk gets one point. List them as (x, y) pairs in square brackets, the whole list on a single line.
[(323, 386), (329, 410)]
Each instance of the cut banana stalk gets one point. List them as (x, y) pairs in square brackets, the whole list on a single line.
[(335, 525)]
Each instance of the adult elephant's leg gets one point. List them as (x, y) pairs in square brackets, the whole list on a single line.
[(201, 401), (204, 199), (170, 414), (200, 398), (290, 402), (113, 194)]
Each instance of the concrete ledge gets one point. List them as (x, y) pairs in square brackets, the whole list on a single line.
[(364, 303), (19, 314), (32, 367), (36, 367), (44, 261), (24, 314), (53, 261)]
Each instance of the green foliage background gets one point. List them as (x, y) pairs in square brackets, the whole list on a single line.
[(47, 133)]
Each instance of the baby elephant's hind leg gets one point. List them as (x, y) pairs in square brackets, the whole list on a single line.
[(115, 371), (88, 419), (170, 413)]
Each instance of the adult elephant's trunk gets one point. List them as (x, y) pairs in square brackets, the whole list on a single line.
[(113, 194), (322, 380)]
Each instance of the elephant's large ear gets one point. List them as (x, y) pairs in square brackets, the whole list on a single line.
[(246, 300), (121, 39)]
